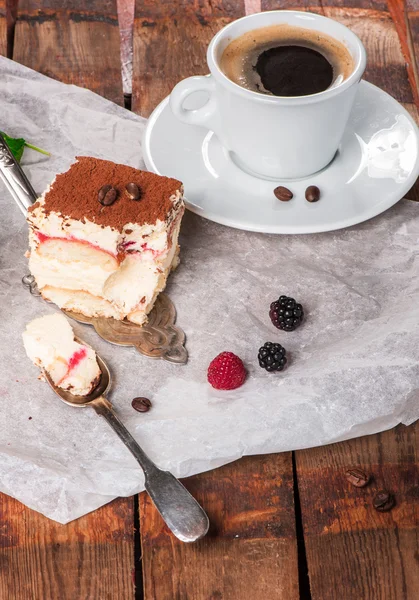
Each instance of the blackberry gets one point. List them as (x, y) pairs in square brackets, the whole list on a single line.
[(286, 313), (272, 357)]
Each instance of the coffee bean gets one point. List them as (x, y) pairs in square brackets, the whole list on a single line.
[(133, 191), (102, 192), (283, 193), (357, 477), (312, 193), (141, 404), (383, 501), (107, 195), (110, 197)]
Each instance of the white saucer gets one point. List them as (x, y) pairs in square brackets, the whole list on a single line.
[(375, 166)]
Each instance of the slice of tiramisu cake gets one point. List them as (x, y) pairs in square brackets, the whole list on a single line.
[(104, 237), (49, 342)]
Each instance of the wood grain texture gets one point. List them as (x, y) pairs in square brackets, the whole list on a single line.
[(400, 16), (412, 25), (3, 28), (126, 25), (353, 551), (410, 21), (386, 66), (89, 559), (390, 32), (413, 193), (74, 42), (170, 41), (251, 549), (250, 503), (372, 22)]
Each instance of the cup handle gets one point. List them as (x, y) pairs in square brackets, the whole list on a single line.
[(203, 116)]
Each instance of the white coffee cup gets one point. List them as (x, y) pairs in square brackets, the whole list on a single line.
[(271, 136)]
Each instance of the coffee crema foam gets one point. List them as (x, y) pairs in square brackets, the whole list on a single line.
[(240, 57)]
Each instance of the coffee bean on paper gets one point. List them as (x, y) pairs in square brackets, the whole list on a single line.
[(312, 193), (283, 193), (383, 501), (357, 477), (107, 195), (133, 191), (141, 404)]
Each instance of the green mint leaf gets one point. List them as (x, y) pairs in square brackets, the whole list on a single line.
[(17, 146)]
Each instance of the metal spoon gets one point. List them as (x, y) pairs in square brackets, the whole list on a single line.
[(181, 512)]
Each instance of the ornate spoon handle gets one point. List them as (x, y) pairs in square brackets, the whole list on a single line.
[(15, 179), (181, 512)]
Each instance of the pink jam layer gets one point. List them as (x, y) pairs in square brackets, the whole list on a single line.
[(44, 238), (76, 358), (123, 247), (73, 361)]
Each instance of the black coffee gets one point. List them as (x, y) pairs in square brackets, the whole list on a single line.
[(294, 71), (284, 60)]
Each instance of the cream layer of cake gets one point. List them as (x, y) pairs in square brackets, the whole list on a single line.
[(49, 343), (105, 260)]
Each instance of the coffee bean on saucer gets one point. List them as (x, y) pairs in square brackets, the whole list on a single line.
[(383, 501), (357, 477), (107, 195), (312, 193), (283, 193), (141, 404), (133, 191)]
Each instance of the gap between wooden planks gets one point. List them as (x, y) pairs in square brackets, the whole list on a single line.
[(3, 28)]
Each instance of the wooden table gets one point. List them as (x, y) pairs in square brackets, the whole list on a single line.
[(284, 526)]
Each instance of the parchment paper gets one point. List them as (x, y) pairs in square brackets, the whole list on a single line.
[(354, 365)]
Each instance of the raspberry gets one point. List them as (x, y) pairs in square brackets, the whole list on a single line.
[(226, 372)]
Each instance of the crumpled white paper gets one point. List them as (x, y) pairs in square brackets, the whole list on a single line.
[(353, 369)]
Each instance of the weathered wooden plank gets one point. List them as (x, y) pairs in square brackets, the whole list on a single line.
[(386, 66), (3, 28), (170, 41), (126, 25), (411, 23), (91, 558), (390, 64), (252, 542), (251, 549), (413, 193), (75, 42), (307, 5), (390, 35), (372, 22), (353, 551), (413, 42), (400, 16)]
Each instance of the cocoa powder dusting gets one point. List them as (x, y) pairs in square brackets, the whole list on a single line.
[(74, 194)]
